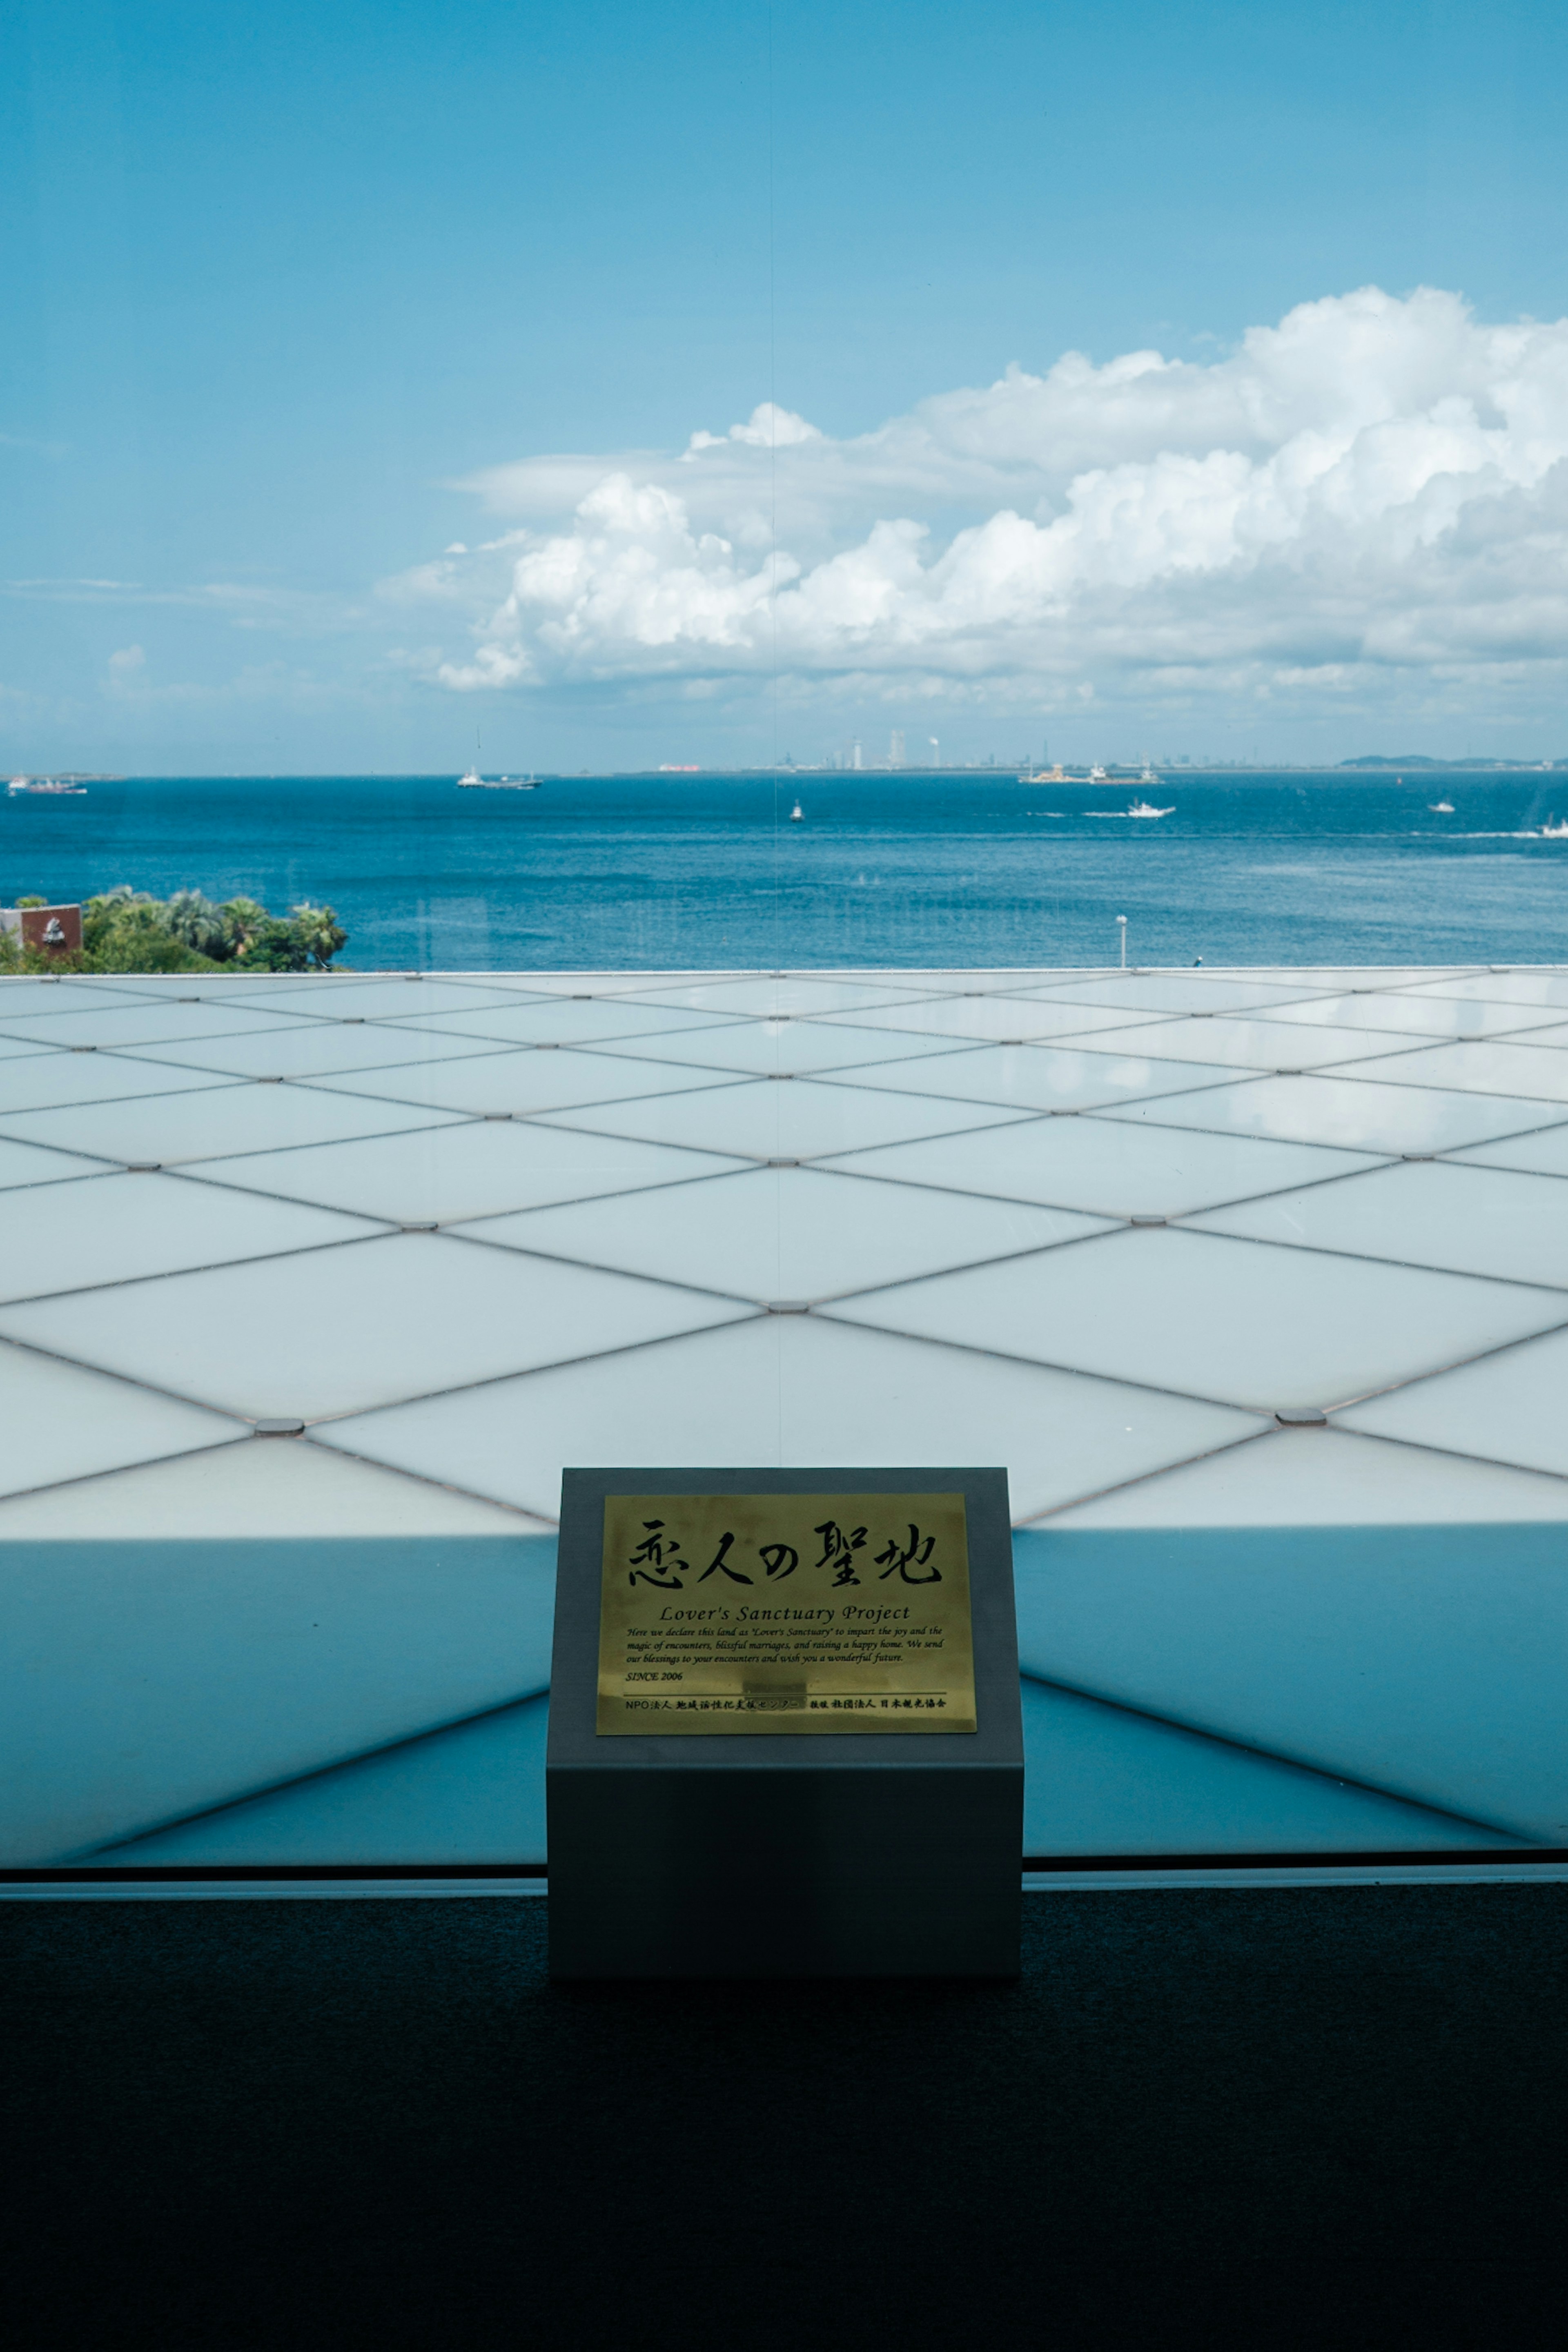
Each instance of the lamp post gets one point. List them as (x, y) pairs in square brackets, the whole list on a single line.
[(1121, 920)]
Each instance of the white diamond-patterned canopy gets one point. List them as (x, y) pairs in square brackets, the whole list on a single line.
[(363, 1261)]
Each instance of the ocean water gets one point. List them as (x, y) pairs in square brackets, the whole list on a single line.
[(970, 869)]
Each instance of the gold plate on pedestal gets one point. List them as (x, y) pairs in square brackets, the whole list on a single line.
[(793, 1613)]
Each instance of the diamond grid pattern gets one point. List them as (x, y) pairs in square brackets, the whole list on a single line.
[(605, 1126), (801, 1216)]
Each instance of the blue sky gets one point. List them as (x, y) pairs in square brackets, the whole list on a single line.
[(280, 281)]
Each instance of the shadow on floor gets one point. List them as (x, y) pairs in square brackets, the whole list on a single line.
[(1286, 2117)]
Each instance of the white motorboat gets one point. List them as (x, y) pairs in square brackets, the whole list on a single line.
[(1552, 831), (797, 814), (1142, 808), (1441, 808)]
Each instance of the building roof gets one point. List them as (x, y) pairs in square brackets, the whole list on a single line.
[(1209, 1249)]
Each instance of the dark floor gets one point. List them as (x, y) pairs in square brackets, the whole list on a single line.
[(1322, 2117)]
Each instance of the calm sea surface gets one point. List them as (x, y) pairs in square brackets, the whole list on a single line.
[(883, 869)]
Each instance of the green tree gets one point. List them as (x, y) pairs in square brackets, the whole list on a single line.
[(273, 946), (101, 913), (196, 922), (318, 932), (124, 929), (138, 938), (242, 918), (127, 930)]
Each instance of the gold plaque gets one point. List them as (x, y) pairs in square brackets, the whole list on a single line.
[(786, 1613)]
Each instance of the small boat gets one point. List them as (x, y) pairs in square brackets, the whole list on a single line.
[(1142, 808), (1552, 831), (474, 783), (1098, 776), (1441, 808), (797, 816), (42, 784)]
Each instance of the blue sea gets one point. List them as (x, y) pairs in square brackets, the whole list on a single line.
[(606, 872)]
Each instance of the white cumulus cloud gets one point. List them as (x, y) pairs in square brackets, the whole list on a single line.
[(1374, 488), (126, 666)]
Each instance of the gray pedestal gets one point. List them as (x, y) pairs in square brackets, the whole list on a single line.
[(763, 1855)]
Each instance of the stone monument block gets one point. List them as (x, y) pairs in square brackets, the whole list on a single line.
[(784, 1733)]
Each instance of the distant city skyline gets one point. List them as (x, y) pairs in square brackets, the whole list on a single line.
[(381, 381)]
